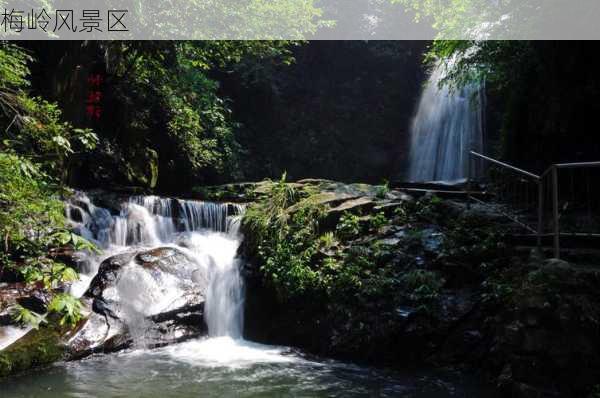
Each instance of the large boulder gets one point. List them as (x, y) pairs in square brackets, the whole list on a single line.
[(149, 297)]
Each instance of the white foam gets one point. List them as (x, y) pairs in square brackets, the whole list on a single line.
[(225, 351)]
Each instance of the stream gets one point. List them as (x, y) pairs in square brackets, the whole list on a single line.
[(221, 364), (223, 367)]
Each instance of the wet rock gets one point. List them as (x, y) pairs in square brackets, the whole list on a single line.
[(107, 273), (36, 348), (109, 200), (151, 297), (75, 214), (405, 312), (97, 333), (164, 258), (431, 239)]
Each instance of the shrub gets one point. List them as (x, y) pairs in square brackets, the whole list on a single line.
[(422, 286), (68, 307), (382, 190), (378, 221), (349, 226)]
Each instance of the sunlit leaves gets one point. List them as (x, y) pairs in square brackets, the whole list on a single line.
[(68, 307), (25, 317), (34, 126), (66, 237)]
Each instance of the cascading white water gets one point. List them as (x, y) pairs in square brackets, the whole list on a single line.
[(208, 234), (448, 124)]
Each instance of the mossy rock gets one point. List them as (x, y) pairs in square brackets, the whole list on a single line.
[(38, 347)]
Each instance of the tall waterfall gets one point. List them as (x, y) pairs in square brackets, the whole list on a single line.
[(208, 233), (448, 123)]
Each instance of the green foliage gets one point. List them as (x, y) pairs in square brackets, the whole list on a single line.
[(32, 224), (472, 241), (498, 289), (13, 72), (68, 307), (29, 208), (291, 250), (500, 63), (66, 237), (378, 221), (178, 110), (44, 270), (327, 240), (249, 18), (349, 226), (422, 286), (401, 215), (36, 150), (483, 19), (271, 215), (33, 126), (426, 208), (24, 317), (382, 190)]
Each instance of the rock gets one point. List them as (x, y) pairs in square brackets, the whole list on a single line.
[(97, 333), (388, 207), (75, 213), (431, 239), (38, 347), (152, 297), (352, 206), (108, 200), (32, 297), (164, 258), (107, 273), (405, 312)]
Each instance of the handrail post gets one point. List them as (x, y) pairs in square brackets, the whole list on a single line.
[(555, 211), (469, 160), (540, 226)]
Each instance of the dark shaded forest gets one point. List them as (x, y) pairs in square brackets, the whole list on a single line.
[(338, 110)]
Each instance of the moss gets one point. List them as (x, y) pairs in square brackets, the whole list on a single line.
[(39, 347)]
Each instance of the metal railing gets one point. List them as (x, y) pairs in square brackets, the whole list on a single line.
[(543, 204)]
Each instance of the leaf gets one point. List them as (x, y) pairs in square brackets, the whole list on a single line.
[(23, 316), (68, 306)]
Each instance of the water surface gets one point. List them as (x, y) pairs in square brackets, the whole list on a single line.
[(223, 367)]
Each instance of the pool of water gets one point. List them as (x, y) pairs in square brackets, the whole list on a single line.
[(223, 367)]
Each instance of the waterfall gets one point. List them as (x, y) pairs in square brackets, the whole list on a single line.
[(448, 124), (149, 220), (207, 233)]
